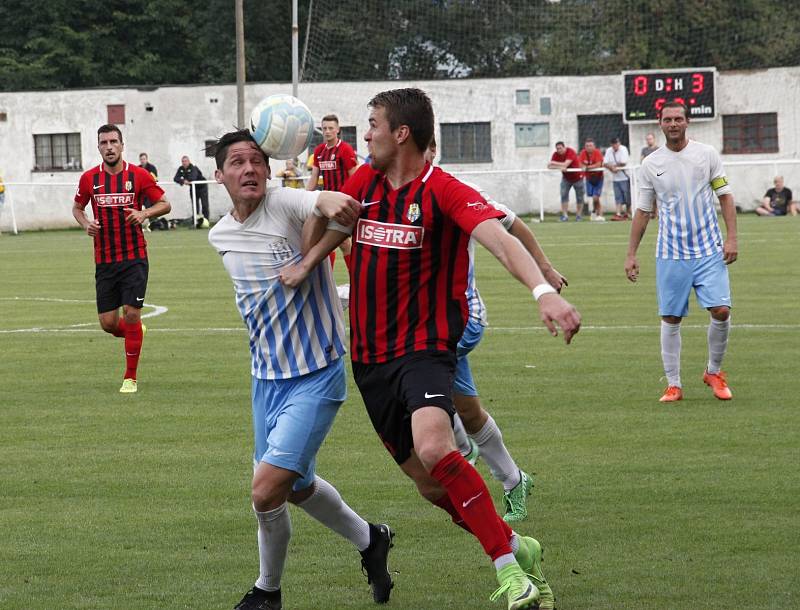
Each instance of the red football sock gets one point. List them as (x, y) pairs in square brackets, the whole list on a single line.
[(133, 346), (472, 500), (447, 505), (121, 326)]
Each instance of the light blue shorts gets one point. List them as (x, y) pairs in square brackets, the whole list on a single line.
[(291, 418), (676, 278), (464, 383)]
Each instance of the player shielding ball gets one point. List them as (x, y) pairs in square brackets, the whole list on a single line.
[(117, 191), (408, 309), (682, 178), (297, 340)]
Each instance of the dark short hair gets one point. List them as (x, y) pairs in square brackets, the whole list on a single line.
[(615, 140), (560, 143), (330, 117), (220, 148), (674, 104), (108, 128), (410, 107), (587, 140)]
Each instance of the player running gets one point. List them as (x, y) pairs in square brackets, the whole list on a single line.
[(117, 191), (690, 252), (297, 340), (476, 432)]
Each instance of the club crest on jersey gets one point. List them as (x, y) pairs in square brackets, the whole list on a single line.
[(128, 185), (413, 213), (388, 235)]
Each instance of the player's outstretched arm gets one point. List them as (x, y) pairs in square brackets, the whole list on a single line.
[(554, 311), (526, 237), (730, 249), (638, 227), (311, 183)]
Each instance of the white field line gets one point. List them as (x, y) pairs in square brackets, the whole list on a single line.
[(78, 328), (82, 327)]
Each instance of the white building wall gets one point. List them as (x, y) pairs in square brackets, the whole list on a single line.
[(182, 118)]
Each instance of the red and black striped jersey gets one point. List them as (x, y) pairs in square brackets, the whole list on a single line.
[(409, 263), (111, 195), (334, 162)]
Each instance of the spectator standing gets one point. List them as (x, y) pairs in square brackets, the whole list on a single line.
[(591, 160), (616, 159), (650, 145), (289, 175), (565, 158), (187, 174), (777, 201)]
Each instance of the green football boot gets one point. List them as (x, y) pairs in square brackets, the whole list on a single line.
[(516, 499), (519, 590), (529, 556)]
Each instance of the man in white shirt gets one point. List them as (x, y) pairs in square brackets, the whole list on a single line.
[(297, 340), (616, 160), (682, 177)]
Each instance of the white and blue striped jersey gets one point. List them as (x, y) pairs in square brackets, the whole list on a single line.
[(477, 309), (292, 331), (684, 183)]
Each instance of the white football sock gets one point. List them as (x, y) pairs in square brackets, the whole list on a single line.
[(274, 531), (717, 343), (462, 442), (326, 506), (671, 352), (496, 456)]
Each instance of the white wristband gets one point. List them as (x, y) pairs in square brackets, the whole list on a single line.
[(543, 289), (317, 212)]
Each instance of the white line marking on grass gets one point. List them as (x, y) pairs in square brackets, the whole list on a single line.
[(157, 311), (650, 327)]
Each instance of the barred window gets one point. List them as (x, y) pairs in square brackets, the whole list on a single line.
[(466, 142), (750, 133), (57, 151)]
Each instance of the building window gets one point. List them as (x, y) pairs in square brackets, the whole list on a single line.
[(750, 133), (347, 133), (527, 135), (523, 97), (210, 148), (116, 114), (466, 142), (57, 151), (544, 105)]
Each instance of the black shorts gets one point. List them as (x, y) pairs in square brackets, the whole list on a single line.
[(120, 284), (392, 391)]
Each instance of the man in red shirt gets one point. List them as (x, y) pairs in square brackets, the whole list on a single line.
[(408, 309), (566, 158), (591, 160), (335, 159), (117, 191)]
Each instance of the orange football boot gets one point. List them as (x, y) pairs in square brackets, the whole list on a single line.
[(718, 383), (672, 394)]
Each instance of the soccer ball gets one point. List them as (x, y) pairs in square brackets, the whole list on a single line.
[(282, 126)]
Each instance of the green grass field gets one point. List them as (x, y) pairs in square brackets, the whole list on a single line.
[(111, 501)]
